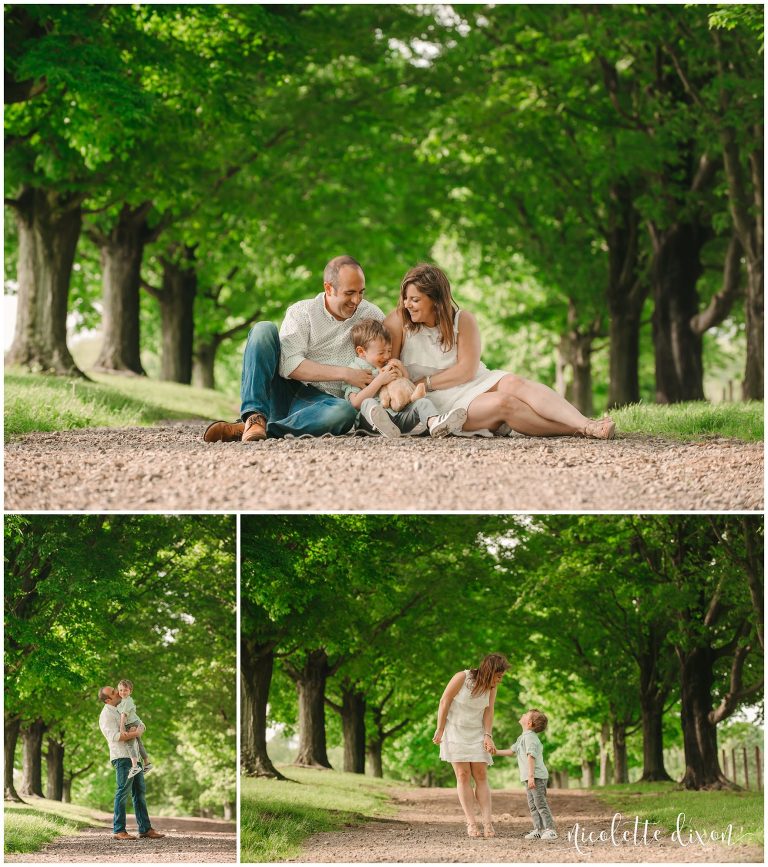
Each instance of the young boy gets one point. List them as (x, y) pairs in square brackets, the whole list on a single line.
[(129, 720), (530, 759), (373, 346)]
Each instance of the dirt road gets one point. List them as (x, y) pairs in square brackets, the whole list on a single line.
[(187, 840), (428, 828), (170, 468)]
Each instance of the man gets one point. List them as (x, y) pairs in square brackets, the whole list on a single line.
[(109, 723), (293, 382)]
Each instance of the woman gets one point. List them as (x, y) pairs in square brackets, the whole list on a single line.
[(464, 726), (440, 346)]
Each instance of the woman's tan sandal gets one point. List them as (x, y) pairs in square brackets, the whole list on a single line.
[(602, 429)]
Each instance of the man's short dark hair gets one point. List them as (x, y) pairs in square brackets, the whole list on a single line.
[(103, 694), (331, 273)]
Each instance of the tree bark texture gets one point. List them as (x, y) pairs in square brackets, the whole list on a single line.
[(375, 750), (122, 251), (55, 764), (177, 312), (653, 695), (605, 757), (620, 766), (702, 766), (587, 773), (203, 370), (256, 665), (310, 686), (353, 725), (11, 736), (32, 762), (678, 348), (49, 228), (625, 296)]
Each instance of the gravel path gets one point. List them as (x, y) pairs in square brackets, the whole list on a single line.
[(187, 840), (169, 467), (428, 828)]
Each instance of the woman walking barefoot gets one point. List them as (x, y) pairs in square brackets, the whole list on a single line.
[(440, 345), (464, 732)]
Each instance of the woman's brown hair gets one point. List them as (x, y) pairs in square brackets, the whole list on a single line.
[(494, 663), (432, 282)]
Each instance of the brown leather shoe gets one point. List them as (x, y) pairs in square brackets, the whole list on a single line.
[(224, 432), (255, 428), (124, 835), (152, 834)]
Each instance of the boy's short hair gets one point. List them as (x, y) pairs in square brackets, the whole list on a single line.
[(538, 720), (127, 683), (367, 330)]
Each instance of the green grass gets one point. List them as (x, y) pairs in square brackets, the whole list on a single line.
[(704, 811), (28, 827), (690, 421), (36, 402), (276, 817)]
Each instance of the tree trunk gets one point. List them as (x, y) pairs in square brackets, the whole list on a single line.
[(121, 255), (625, 296), (177, 311), (576, 349), (66, 791), (310, 686), (49, 227), (203, 375), (653, 696), (256, 664), (606, 768), (678, 349), (353, 725), (55, 762), (619, 737), (375, 750), (11, 737), (32, 764), (702, 767), (587, 773), (752, 387), (230, 811)]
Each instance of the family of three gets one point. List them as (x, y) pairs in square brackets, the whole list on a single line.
[(336, 355), (465, 735)]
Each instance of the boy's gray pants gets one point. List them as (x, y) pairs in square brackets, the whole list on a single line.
[(135, 746), (416, 413), (537, 804)]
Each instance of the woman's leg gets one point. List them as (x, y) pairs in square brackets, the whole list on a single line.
[(489, 410), (483, 794), (543, 401), (463, 771)]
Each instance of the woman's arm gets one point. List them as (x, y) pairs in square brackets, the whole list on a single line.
[(488, 722), (449, 694)]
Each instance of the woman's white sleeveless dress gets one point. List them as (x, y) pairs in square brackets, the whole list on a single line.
[(423, 356), (463, 735)]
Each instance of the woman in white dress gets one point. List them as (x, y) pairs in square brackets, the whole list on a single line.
[(464, 732), (440, 345)]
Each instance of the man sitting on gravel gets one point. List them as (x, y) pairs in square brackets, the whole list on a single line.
[(109, 723), (293, 382)]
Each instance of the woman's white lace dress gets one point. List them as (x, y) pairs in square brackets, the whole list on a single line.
[(463, 736)]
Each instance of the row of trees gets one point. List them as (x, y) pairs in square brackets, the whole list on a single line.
[(612, 624), (580, 168), (92, 599)]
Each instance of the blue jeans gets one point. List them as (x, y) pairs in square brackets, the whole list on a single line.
[(289, 406), (138, 795)]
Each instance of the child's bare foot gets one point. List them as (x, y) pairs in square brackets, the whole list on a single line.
[(472, 830)]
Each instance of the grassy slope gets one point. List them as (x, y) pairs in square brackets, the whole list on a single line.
[(687, 421), (34, 402), (276, 817), (704, 811), (28, 827)]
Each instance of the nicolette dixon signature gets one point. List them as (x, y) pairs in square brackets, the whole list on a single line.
[(626, 831)]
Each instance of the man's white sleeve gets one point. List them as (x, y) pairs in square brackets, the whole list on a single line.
[(110, 728), (294, 340)]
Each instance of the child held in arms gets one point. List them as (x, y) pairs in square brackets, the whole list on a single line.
[(129, 720), (530, 760), (391, 404)]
